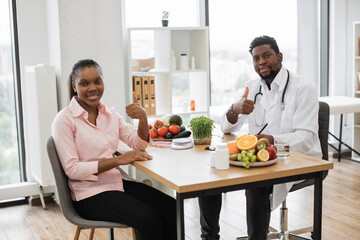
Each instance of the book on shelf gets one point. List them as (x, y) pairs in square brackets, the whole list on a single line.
[(152, 95), (145, 94), (137, 88)]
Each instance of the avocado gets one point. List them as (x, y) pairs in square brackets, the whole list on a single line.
[(169, 135), (182, 128), (175, 119)]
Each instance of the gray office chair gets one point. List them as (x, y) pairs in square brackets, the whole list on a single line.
[(66, 204), (283, 233)]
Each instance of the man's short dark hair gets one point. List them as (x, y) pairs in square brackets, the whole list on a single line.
[(258, 41)]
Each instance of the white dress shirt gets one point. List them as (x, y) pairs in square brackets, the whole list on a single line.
[(297, 123)]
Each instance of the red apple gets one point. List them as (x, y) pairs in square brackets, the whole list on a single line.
[(272, 151)]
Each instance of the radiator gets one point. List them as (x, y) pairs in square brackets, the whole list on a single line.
[(39, 102)]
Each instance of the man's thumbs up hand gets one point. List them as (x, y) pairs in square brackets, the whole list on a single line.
[(244, 105)]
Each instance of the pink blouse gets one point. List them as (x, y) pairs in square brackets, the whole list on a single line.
[(81, 145)]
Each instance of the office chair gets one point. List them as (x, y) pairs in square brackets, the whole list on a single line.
[(283, 233), (66, 204)]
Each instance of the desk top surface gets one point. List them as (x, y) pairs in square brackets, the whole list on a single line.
[(342, 104), (189, 170)]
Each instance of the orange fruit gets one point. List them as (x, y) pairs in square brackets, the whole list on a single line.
[(238, 138), (263, 155), (247, 142), (233, 148)]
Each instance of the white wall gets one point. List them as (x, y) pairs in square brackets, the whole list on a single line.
[(64, 31)]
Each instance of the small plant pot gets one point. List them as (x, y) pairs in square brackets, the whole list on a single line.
[(202, 141), (165, 23)]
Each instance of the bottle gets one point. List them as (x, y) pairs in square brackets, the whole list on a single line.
[(222, 157), (173, 61), (184, 63), (192, 105)]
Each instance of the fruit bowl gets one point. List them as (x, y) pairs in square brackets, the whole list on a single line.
[(255, 164)]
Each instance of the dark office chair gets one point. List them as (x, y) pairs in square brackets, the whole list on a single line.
[(66, 204), (283, 233)]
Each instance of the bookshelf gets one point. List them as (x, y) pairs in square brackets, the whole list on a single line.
[(174, 88), (356, 84)]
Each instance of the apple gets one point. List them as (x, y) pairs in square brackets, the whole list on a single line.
[(272, 151)]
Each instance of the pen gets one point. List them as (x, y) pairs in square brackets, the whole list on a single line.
[(262, 129)]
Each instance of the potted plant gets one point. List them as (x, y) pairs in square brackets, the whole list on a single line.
[(165, 18), (202, 130)]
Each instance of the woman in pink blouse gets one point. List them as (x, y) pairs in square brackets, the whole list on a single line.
[(86, 135)]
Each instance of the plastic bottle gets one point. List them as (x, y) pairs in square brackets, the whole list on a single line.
[(192, 105), (184, 63), (222, 157), (173, 61)]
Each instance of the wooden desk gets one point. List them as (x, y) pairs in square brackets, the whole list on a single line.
[(341, 105), (189, 173)]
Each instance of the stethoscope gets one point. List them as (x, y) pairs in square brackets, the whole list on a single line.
[(283, 95)]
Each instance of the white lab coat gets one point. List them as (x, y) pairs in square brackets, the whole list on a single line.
[(298, 122)]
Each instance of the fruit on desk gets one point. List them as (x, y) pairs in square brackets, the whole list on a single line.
[(174, 129), (263, 155), (162, 131), (247, 142), (238, 138), (158, 124), (169, 135), (233, 157), (262, 143), (272, 151), (175, 119), (182, 128), (183, 134), (153, 133), (150, 126), (233, 148)]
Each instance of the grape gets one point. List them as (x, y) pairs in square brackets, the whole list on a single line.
[(246, 163), (253, 159), (250, 154), (239, 157), (252, 151), (243, 153)]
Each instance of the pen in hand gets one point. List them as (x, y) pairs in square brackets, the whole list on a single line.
[(262, 129)]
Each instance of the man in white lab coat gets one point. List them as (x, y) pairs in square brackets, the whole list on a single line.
[(290, 108)]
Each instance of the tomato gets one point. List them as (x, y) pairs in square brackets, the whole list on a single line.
[(163, 131), (158, 124), (153, 133), (174, 129), (150, 126)]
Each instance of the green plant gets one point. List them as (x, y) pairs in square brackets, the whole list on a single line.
[(201, 127), (165, 15)]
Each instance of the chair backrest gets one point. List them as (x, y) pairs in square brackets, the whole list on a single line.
[(61, 181), (324, 114), (323, 132)]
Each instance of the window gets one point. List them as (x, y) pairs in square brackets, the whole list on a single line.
[(233, 25), (144, 13), (9, 150)]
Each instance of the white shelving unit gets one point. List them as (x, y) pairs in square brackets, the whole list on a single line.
[(173, 88), (356, 85)]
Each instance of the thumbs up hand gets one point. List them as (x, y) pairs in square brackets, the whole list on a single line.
[(244, 105), (135, 110)]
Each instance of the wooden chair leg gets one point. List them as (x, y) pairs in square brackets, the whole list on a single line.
[(133, 233), (77, 233), (91, 236)]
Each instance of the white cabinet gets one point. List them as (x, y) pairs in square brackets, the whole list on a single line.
[(356, 83), (174, 89)]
